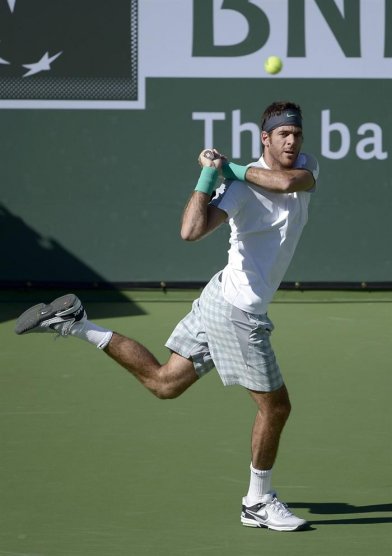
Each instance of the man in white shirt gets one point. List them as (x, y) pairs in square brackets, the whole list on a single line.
[(266, 206)]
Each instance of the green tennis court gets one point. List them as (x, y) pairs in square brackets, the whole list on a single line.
[(94, 465)]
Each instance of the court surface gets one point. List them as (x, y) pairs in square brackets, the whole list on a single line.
[(94, 465)]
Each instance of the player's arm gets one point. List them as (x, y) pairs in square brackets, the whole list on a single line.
[(302, 177), (199, 218), (280, 181)]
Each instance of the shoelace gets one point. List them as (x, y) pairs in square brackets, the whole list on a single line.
[(64, 327), (281, 508)]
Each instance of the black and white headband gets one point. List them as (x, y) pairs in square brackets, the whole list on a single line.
[(287, 117)]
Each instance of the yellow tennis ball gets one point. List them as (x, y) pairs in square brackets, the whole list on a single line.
[(273, 64)]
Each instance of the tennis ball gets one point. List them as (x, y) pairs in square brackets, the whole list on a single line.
[(273, 64)]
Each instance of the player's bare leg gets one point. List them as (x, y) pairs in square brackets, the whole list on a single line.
[(261, 507), (65, 316), (273, 411), (164, 381)]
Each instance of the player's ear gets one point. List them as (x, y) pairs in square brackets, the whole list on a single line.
[(265, 138)]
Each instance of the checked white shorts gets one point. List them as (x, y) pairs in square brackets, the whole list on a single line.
[(217, 334)]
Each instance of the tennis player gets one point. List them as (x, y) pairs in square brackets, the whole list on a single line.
[(266, 206)]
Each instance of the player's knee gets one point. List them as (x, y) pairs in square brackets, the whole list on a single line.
[(165, 391), (282, 411)]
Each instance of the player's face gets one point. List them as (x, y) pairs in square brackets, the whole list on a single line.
[(281, 146)]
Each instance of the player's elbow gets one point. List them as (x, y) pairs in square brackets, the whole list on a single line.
[(292, 184), (189, 234), (288, 184)]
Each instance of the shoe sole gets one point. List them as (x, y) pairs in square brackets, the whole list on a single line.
[(33, 317), (252, 523)]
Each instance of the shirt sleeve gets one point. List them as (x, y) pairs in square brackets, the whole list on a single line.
[(308, 162), (230, 197)]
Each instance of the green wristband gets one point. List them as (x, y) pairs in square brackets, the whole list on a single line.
[(208, 180), (232, 171)]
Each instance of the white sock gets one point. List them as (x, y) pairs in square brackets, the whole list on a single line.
[(86, 330), (259, 485)]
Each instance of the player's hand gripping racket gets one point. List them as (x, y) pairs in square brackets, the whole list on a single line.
[(211, 155)]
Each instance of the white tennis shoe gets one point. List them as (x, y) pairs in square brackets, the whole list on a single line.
[(270, 513)]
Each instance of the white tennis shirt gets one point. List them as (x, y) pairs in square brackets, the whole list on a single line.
[(265, 230)]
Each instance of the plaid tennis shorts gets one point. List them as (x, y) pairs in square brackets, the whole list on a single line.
[(217, 334)]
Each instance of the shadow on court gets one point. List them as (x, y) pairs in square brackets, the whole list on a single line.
[(335, 508), (26, 257)]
